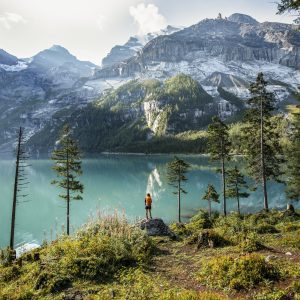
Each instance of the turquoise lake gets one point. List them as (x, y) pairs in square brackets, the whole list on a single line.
[(112, 183)]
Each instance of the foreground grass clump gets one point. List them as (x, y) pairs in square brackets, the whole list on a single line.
[(248, 232), (95, 254), (238, 273), (135, 284)]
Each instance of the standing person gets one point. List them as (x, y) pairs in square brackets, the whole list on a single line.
[(148, 203)]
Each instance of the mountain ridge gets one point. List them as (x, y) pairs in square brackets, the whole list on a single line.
[(223, 56)]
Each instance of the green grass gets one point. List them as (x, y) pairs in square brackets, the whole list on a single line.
[(112, 259)]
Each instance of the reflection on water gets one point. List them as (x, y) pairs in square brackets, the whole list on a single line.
[(154, 185), (114, 182)]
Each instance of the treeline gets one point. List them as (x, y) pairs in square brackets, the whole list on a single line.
[(266, 155)]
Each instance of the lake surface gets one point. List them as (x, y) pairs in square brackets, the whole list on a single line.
[(112, 182)]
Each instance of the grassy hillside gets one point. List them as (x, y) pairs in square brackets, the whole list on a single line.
[(242, 257)]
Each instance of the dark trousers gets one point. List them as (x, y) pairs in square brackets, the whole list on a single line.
[(148, 212)]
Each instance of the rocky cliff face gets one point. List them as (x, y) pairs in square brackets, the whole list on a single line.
[(237, 39), (120, 53)]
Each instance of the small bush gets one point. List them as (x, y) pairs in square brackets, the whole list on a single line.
[(266, 228), (238, 274), (200, 221), (9, 273), (210, 238), (52, 282), (180, 229), (290, 227), (291, 241), (251, 243), (26, 295), (273, 295)]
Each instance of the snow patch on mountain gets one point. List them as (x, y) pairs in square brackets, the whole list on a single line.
[(21, 65)]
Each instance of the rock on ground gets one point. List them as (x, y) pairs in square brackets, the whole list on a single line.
[(156, 227)]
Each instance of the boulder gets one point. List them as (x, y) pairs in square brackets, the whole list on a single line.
[(156, 227), (270, 258)]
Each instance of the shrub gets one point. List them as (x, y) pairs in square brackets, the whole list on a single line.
[(9, 273), (200, 221), (52, 282), (97, 252), (250, 243), (26, 295), (238, 274), (266, 228), (273, 295), (210, 238), (291, 241), (290, 226), (180, 229)]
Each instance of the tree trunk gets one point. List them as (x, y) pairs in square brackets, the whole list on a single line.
[(223, 186), (179, 207), (262, 155), (13, 215), (68, 195), (209, 207), (237, 197)]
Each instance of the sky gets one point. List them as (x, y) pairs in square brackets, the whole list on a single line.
[(90, 28)]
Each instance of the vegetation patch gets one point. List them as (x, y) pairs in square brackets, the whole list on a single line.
[(96, 254), (238, 273)]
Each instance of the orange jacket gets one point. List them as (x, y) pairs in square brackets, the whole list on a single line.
[(148, 201)]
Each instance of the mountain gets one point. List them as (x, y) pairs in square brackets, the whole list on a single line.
[(237, 46), (131, 117), (120, 53), (140, 97), (32, 90), (7, 59), (243, 19)]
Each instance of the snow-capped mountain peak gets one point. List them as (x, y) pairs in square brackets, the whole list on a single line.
[(120, 53)]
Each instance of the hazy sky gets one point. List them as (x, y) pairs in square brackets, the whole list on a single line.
[(89, 28)]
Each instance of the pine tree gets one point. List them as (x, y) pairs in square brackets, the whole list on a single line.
[(68, 166), (289, 6), (293, 169), (20, 184), (219, 148), (177, 169), (211, 195), (236, 186), (261, 141)]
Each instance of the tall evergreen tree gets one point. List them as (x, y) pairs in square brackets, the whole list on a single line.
[(293, 169), (219, 148), (211, 195), (176, 170), (20, 184), (261, 140), (68, 167), (236, 186)]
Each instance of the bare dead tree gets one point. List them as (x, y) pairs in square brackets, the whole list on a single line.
[(21, 181)]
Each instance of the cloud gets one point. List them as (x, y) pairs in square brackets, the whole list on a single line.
[(148, 18), (8, 19), (101, 20)]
